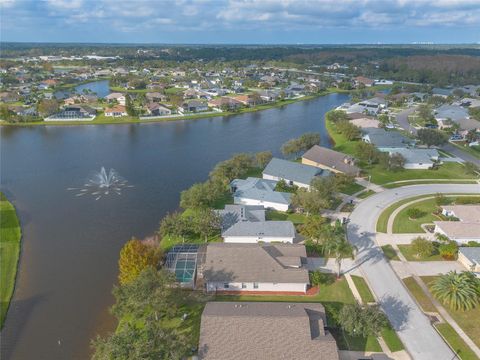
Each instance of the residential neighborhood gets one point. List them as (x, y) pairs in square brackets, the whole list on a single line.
[(240, 180)]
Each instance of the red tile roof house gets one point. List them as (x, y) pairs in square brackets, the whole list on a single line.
[(116, 111), (265, 330)]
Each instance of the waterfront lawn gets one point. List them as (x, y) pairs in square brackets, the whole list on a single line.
[(446, 171), (342, 144), (10, 234), (403, 224), (363, 289), (283, 216), (390, 253), (406, 251), (468, 320), (333, 295)]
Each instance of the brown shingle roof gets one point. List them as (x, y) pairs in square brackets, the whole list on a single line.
[(262, 330), (227, 262), (330, 158)]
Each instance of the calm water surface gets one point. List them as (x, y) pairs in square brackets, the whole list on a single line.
[(100, 88), (71, 244)]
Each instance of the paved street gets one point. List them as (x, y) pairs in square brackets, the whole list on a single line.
[(402, 119), (460, 154), (413, 327)]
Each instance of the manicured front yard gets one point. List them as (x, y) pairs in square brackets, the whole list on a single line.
[(445, 171), (351, 189), (468, 320), (406, 251), (333, 296), (10, 235)]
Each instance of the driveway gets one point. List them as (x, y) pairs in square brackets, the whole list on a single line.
[(413, 327), (402, 119)]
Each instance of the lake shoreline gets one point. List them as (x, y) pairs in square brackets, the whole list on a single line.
[(131, 120)]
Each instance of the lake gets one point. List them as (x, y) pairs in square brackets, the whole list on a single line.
[(101, 88), (71, 244)]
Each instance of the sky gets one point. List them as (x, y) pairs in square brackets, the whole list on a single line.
[(241, 21)]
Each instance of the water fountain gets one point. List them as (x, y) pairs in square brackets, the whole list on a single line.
[(103, 183)]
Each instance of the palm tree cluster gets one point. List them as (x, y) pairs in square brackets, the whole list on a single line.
[(460, 291)]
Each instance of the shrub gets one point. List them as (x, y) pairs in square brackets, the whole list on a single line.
[(422, 247), (449, 250), (319, 278), (473, 244), (414, 213)]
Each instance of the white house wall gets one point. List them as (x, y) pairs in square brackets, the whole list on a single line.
[(268, 205), (256, 239), (277, 178), (273, 287)]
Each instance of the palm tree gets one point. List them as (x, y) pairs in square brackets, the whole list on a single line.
[(461, 291), (337, 245)]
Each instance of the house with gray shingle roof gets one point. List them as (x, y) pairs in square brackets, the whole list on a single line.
[(417, 158), (386, 140), (292, 173), (265, 330), (256, 191), (254, 267), (233, 214)]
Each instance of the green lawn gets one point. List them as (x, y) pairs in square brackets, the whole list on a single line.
[(333, 296), (456, 342), (406, 250), (390, 253), (384, 216), (392, 340), (351, 189), (403, 224), (467, 320), (282, 216), (10, 235), (472, 150), (363, 289), (365, 194), (417, 292), (423, 182), (445, 171), (340, 141)]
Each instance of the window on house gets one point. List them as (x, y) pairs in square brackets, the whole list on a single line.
[(255, 285), (226, 285), (244, 286)]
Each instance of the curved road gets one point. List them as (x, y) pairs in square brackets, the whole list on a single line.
[(413, 327)]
